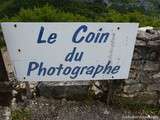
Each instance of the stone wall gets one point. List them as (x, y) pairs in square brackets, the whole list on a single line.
[(144, 78), (142, 85)]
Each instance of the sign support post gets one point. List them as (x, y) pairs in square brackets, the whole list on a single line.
[(5, 87)]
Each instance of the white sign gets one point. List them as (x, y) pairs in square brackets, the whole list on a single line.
[(70, 51)]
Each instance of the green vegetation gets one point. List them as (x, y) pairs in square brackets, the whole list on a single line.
[(21, 114), (45, 14), (136, 106), (56, 10)]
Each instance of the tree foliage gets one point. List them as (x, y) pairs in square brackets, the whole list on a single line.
[(62, 10)]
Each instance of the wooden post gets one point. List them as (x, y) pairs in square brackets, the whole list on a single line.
[(3, 72), (28, 90), (5, 87)]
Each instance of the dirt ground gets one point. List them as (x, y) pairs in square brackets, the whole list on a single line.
[(51, 109)]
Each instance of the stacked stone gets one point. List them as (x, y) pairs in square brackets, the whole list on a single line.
[(144, 79), (143, 82)]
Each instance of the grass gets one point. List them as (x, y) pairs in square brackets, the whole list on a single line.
[(21, 114), (136, 106)]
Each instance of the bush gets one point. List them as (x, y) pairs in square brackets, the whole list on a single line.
[(45, 14), (55, 10), (135, 16), (12, 7)]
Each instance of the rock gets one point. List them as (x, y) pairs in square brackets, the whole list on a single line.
[(14, 92), (154, 43), (69, 90), (151, 66), (150, 38), (106, 112), (154, 87), (144, 29), (140, 43), (95, 88), (137, 55), (13, 104), (142, 35), (5, 113), (131, 81), (133, 88), (128, 95), (157, 75)]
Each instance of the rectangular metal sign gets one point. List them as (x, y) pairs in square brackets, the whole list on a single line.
[(70, 51)]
